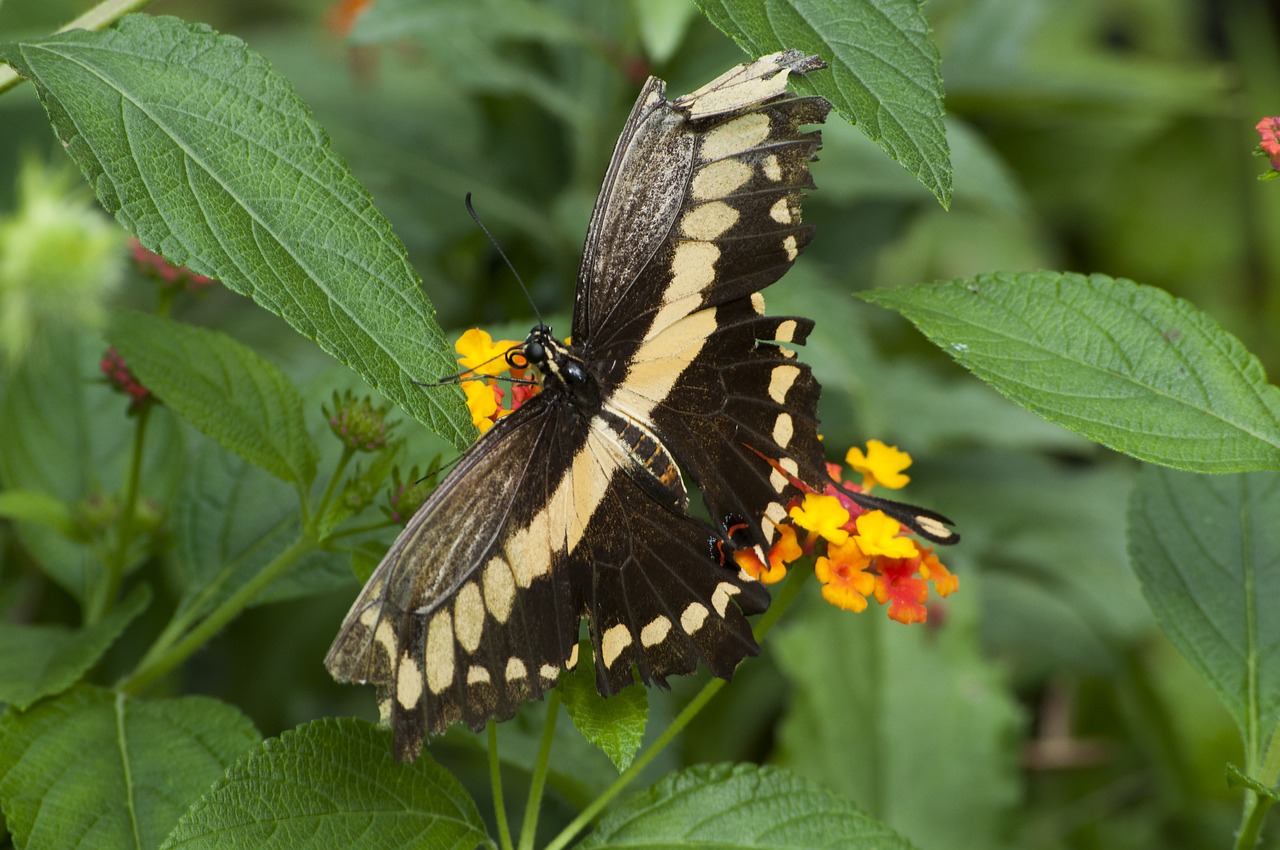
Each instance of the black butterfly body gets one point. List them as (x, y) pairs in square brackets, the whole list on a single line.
[(574, 505)]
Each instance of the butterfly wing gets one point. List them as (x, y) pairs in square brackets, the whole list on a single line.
[(673, 321)]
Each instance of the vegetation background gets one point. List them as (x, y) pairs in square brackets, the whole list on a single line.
[(1040, 706)]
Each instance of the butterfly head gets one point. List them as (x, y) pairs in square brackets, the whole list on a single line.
[(559, 369)]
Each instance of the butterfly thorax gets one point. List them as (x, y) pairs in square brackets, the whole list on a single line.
[(560, 371)]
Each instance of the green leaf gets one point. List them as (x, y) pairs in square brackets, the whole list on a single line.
[(884, 69), (94, 769), (1126, 365), (1207, 551), (66, 435), (40, 508), (615, 725), (209, 157), (41, 660), (231, 521), (740, 806), (909, 722), (1237, 778), (222, 387), (332, 783)]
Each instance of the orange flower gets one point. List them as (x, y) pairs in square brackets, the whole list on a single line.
[(843, 573), (899, 586), (784, 550), (945, 582)]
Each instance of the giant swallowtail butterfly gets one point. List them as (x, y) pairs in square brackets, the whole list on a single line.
[(574, 505)]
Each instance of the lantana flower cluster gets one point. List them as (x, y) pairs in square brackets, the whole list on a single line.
[(1269, 145), (858, 554), (482, 358)]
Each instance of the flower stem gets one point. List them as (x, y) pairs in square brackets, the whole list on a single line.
[(116, 562), (495, 785), (529, 827), (795, 581), (156, 664)]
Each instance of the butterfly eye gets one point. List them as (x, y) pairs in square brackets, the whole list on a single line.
[(534, 351)]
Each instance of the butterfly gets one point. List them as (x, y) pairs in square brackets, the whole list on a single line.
[(575, 504)]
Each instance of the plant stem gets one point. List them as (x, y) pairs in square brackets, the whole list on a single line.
[(1255, 812), (495, 785), (116, 562), (795, 581), (529, 827), (99, 17), (154, 665)]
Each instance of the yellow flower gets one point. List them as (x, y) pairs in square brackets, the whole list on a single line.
[(878, 535), (481, 354), (482, 402), (823, 515), (881, 464)]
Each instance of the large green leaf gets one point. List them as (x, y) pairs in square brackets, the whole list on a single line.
[(209, 157), (1207, 551), (907, 722), (332, 783), (94, 769), (41, 660), (884, 69), (740, 806), (223, 388), (1126, 365)]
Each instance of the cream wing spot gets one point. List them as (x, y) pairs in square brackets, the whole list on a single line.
[(499, 589), (468, 617), (573, 658), (439, 652), (781, 212), (612, 642), (549, 672), (408, 683), (709, 221), (385, 637), (718, 179), (786, 331), (777, 481), (781, 380), (768, 528), (757, 303), (516, 669), (776, 512), (720, 598), (790, 466), (791, 247), (655, 632), (693, 617), (772, 168), (477, 675), (783, 430), (736, 136)]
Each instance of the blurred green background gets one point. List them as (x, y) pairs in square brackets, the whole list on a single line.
[(1040, 704)]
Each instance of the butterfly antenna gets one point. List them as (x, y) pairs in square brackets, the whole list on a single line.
[(472, 211)]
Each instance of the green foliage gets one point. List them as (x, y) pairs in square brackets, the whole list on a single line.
[(331, 783), (256, 198), (615, 725), (740, 806), (95, 769), (223, 388), (1044, 706), (1207, 552), (884, 70), (1125, 365)]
